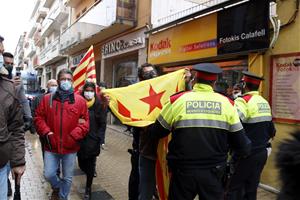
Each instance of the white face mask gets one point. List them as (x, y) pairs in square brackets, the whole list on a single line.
[(89, 95), (52, 89), (236, 95)]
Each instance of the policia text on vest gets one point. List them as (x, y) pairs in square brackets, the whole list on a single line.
[(208, 107)]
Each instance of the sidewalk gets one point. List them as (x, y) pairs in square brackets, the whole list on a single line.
[(113, 167)]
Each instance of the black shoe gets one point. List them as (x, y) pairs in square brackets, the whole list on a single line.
[(9, 190), (95, 174), (88, 193), (55, 194)]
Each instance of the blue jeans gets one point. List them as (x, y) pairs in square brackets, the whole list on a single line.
[(147, 183), (51, 164), (8, 169), (3, 182)]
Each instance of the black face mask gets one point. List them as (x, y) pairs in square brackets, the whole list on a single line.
[(9, 68), (149, 75)]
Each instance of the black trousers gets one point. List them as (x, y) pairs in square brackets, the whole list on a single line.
[(87, 165), (244, 182), (186, 184), (134, 177)]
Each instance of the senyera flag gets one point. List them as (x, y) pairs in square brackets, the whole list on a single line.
[(85, 70), (140, 104)]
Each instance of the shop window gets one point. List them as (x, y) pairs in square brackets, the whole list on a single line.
[(125, 73), (232, 74)]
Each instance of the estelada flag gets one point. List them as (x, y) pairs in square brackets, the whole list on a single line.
[(140, 104), (85, 70)]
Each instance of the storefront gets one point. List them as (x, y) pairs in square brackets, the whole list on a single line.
[(121, 58), (237, 39), (228, 38)]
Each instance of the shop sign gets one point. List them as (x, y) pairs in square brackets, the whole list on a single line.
[(76, 59), (127, 43), (244, 28), (184, 42), (240, 29), (284, 87)]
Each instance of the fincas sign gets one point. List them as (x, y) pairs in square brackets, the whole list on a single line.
[(127, 43)]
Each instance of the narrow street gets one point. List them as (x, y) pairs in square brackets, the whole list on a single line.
[(113, 167)]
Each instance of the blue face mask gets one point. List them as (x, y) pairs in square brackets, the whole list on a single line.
[(1, 61), (65, 85)]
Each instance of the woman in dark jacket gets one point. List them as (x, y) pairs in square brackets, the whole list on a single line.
[(90, 146)]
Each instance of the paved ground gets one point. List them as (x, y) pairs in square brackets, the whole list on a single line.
[(113, 168)]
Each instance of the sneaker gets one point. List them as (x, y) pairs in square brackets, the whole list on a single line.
[(9, 190), (55, 194)]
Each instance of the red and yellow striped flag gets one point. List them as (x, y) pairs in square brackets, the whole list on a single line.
[(85, 70)]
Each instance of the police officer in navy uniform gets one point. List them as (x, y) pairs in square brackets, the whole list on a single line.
[(255, 114), (204, 126)]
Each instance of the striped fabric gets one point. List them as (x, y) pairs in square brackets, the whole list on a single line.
[(85, 70)]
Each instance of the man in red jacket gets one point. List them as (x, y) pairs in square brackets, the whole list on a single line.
[(62, 119)]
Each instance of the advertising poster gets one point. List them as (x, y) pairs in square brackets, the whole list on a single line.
[(284, 86)]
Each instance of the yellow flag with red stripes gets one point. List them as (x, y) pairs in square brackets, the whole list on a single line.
[(140, 104), (85, 70)]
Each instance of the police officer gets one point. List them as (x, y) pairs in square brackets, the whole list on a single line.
[(204, 125), (255, 114)]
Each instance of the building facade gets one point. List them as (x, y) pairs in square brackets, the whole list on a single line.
[(51, 27), (237, 36)]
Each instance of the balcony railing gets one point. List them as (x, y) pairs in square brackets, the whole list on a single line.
[(50, 52), (98, 20), (178, 15), (30, 51), (33, 28), (79, 31), (57, 14), (41, 13)]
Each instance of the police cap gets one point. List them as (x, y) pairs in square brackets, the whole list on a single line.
[(252, 78), (207, 71)]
